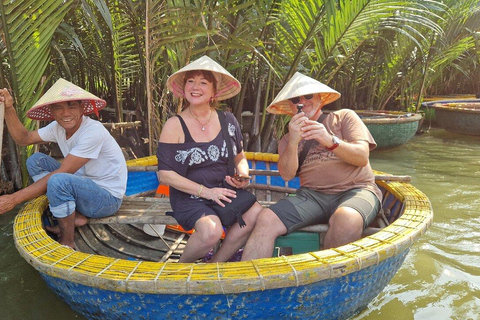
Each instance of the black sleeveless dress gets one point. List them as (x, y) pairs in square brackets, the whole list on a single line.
[(203, 162)]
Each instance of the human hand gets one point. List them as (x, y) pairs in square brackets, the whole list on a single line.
[(6, 98), (316, 130), (295, 127), (238, 181), (219, 194), (7, 203)]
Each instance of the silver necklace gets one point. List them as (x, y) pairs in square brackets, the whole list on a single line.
[(202, 124)]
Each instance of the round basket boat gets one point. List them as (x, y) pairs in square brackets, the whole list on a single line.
[(458, 117), (322, 284), (390, 128), (456, 97), (429, 111)]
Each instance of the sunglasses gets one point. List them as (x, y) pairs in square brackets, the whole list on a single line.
[(297, 99)]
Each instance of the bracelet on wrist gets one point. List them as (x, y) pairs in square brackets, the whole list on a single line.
[(199, 191)]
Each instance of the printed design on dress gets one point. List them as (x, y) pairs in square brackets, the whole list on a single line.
[(231, 132), (224, 151), (213, 153), (197, 156)]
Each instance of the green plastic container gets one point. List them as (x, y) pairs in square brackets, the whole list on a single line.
[(297, 242)]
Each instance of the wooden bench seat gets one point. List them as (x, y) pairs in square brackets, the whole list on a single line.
[(149, 210), (145, 210)]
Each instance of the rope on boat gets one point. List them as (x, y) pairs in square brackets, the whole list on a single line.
[(28, 235), (60, 260), (189, 278), (88, 256), (133, 271), (359, 262), (294, 270), (46, 252), (158, 276), (39, 249), (107, 267), (330, 267), (229, 304), (262, 280)]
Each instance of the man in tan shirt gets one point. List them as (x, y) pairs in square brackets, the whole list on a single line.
[(337, 183)]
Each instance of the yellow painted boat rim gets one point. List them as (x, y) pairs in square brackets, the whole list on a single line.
[(51, 258)]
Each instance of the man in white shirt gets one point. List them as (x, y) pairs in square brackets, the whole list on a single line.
[(91, 179)]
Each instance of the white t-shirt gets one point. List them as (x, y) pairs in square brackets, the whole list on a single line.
[(106, 167)]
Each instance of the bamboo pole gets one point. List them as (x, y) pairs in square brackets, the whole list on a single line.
[(110, 125), (147, 78), (254, 172)]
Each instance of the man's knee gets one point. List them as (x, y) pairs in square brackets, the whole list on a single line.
[(32, 160), (40, 164), (33, 163), (268, 220), (346, 218), (59, 181)]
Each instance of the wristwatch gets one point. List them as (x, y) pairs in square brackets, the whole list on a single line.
[(336, 142)]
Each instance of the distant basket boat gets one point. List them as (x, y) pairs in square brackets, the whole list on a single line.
[(450, 97), (458, 117), (328, 284), (390, 128)]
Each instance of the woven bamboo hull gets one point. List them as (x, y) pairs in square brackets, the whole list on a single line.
[(390, 128), (328, 299), (463, 118), (429, 111), (327, 284)]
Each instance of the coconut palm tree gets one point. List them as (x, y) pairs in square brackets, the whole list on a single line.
[(373, 51), (27, 28)]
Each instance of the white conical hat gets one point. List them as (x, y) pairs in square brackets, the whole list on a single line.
[(63, 91), (227, 85), (300, 85)]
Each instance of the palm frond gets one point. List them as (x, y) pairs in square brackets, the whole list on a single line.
[(27, 29)]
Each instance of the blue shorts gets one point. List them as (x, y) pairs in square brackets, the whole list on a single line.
[(308, 207)]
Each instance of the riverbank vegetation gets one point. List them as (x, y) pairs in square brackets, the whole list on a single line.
[(380, 54)]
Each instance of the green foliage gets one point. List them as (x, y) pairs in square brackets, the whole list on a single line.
[(377, 53), (27, 28)]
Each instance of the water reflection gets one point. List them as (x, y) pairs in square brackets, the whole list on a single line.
[(440, 278), (24, 295)]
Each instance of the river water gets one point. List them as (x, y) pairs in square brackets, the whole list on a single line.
[(440, 278)]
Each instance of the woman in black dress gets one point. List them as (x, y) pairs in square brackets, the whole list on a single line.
[(193, 160)]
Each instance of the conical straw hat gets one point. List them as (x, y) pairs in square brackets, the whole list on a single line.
[(300, 85), (227, 85), (63, 91)]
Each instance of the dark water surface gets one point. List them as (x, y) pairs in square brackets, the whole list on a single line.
[(440, 278)]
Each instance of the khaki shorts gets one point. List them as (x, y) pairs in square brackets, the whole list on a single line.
[(309, 207)]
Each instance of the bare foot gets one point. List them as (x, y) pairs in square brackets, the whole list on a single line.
[(80, 220), (55, 230), (71, 245)]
